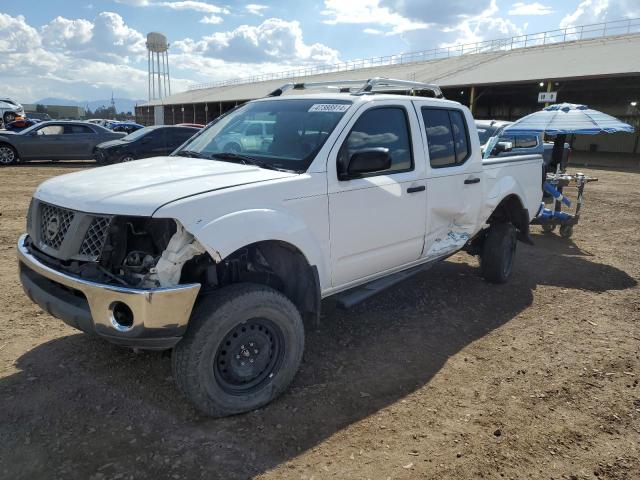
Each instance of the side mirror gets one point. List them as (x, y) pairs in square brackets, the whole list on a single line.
[(365, 161), (502, 147)]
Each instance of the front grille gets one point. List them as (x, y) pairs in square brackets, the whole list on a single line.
[(54, 224), (94, 239)]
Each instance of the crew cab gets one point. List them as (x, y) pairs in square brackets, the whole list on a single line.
[(220, 255)]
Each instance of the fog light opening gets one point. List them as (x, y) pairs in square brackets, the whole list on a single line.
[(121, 316)]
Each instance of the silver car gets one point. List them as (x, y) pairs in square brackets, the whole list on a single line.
[(54, 140)]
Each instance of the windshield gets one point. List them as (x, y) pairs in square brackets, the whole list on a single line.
[(138, 134), (282, 134), (485, 133)]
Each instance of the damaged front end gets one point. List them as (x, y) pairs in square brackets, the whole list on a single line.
[(132, 280)]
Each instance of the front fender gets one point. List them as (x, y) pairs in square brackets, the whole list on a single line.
[(224, 235)]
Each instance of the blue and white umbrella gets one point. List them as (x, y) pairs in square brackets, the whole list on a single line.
[(566, 119)]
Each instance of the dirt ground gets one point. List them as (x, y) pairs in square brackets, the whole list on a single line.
[(442, 377)]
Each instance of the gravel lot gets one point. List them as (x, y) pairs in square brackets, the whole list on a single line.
[(441, 377)]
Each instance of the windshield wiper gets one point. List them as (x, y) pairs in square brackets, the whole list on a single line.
[(190, 153), (244, 159)]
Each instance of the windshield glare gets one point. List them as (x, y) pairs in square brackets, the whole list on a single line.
[(275, 133), (485, 133)]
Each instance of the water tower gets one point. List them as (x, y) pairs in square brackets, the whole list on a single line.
[(158, 59)]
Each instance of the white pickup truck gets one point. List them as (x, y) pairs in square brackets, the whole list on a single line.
[(220, 255)]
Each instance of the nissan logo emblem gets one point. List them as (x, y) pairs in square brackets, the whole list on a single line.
[(52, 227)]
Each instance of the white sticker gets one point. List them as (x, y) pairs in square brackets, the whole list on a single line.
[(329, 107)]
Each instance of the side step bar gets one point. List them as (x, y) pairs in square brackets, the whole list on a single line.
[(352, 297)]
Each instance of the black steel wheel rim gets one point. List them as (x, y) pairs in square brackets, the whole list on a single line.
[(249, 356)]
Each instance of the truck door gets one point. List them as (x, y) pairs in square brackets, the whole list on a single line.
[(454, 184), (377, 222)]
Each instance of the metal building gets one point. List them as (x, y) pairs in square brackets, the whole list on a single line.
[(598, 65)]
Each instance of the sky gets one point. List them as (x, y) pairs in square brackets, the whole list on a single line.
[(84, 50)]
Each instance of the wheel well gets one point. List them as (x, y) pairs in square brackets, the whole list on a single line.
[(509, 210), (276, 264)]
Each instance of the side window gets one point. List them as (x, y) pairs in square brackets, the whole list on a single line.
[(385, 127), (447, 137), (51, 130), (526, 141), (508, 139), (76, 129)]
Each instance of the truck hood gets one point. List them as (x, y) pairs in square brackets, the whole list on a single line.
[(141, 187)]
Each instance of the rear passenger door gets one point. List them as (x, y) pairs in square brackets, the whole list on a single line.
[(78, 142), (454, 179), (377, 222)]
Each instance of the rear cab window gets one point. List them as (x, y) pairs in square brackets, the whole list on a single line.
[(447, 136)]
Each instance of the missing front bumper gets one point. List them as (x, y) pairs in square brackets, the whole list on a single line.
[(159, 317)]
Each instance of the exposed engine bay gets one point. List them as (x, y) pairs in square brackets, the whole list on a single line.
[(148, 253)]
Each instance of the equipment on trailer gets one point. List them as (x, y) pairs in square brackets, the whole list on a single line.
[(561, 120)]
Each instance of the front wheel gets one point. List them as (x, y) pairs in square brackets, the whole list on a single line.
[(548, 228), (126, 158), (242, 349), (496, 261), (566, 231)]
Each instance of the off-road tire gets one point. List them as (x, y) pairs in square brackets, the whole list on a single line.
[(498, 251), (196, 357)]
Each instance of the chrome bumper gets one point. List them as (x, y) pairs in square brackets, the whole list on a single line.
[(160, 316)]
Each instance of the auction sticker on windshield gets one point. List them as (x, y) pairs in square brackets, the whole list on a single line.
[(329, 107)]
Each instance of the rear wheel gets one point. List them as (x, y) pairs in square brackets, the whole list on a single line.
[(126, 158), (8, 155), (548, 228), (243, 348), (496, 261)]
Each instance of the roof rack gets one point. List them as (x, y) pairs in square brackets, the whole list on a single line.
[(366, 86)]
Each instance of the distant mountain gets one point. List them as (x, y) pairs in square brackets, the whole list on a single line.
[(122, 104)]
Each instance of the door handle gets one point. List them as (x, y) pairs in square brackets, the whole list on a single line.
[(470, 181), (420, 188)]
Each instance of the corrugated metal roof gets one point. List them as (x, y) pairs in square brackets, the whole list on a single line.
[(619, 55)]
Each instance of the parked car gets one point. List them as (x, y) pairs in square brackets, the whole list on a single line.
[(220, 255), (54, 140), (20, 124), (126, 127), (43, 117), (10, 110), (520, 144), (247, 136), (143, 143)]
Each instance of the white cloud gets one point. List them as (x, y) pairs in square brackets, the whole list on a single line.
[(193, 5), (535, 8), (369, 12), (593, 11), (65, 33), (274, 40), (15, 35), (256, 9), (211, 19), (373, 31), (485, 26)]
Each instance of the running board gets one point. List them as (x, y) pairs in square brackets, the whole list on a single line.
[(356, 295)]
